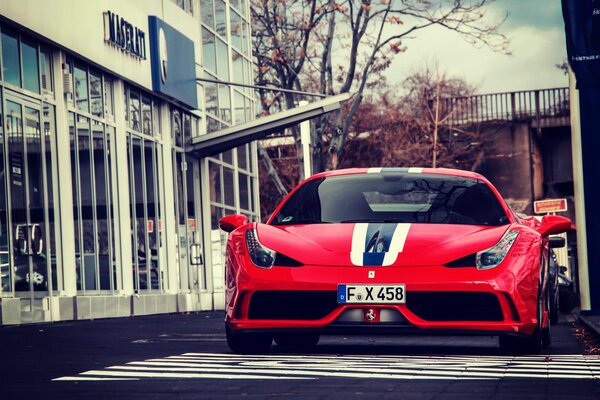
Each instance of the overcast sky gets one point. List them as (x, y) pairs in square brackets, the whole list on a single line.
[(538, 43)]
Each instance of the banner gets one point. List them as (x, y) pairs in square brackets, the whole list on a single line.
[(582, 26)]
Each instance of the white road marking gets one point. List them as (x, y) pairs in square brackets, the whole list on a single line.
[(279, 366)]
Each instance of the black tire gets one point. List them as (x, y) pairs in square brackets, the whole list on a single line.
[(297, 340), (554, 312), (546, 333), (248, 343), (528, 344)]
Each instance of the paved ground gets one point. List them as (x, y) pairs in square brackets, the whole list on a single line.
[(185, 356)]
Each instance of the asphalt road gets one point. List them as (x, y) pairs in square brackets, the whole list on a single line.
[(186, 357)]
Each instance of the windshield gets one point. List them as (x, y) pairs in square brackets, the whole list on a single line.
[(393, 197)]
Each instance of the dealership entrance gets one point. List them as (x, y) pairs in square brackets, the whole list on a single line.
[(28, 257)]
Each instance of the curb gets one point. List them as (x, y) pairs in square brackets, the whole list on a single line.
[(593, 325)]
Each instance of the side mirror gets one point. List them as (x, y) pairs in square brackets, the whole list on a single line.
[(554, 224), (232, 222), (556, 242)]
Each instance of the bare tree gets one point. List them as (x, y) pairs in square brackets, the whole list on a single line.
[(336, 47), (417, 127)]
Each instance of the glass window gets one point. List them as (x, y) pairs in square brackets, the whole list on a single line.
[(146, 115), (96, 101), (108, 96), (187, 128), (245, 35), (238, 67), (212, 125), (81, 88), (103, 228), (242, 153), (31, 73), (177, 128), (235, 3), (156, 118), (5, 281), (238, 114), (185, 5), (208, 51), (243, 185), (10, 59), (221, 22), (151, 225), (222, 61), (210, 97), (225, 103), (214, 171), (228, 157), (208, 14), (49, 134), (46, 68), (236, 29), (89, 278), (228, 187), (134, 110)]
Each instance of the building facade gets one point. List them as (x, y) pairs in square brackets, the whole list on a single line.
[(103, 210)]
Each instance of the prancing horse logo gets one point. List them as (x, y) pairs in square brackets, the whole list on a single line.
[(371, 315)]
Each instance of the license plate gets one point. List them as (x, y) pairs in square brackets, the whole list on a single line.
[(371, 294)]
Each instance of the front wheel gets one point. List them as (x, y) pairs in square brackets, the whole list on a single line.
[(529, 344), (248, 343)]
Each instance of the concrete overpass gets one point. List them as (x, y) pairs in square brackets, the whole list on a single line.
[(527, 139)]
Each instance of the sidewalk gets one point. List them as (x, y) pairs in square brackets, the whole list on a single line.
[(592, 321)]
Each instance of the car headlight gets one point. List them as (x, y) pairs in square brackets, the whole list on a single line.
[(493, 256), (260, 255)]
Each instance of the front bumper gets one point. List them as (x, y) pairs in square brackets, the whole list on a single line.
[(438, 299)]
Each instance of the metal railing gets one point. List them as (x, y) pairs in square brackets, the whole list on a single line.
[(508, 106)]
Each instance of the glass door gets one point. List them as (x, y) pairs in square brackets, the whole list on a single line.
[(27, 199), (190, 248)]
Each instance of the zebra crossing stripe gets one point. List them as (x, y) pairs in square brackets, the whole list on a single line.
[(274, 366)]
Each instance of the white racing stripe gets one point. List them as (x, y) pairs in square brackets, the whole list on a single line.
[(359, 236), (415, 170), (232, 366), (396, 244)]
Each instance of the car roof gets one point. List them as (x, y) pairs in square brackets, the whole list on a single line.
[(417, 170)]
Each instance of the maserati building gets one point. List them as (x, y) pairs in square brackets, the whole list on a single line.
[(126, 132)]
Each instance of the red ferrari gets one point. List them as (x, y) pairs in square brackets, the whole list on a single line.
[(389, 250)]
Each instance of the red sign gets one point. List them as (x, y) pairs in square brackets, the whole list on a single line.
[(150, 226), (549, 206)]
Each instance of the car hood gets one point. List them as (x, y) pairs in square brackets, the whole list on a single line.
[(383, 244)]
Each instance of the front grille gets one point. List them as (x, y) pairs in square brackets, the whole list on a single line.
[(454, 306), (294, 305)]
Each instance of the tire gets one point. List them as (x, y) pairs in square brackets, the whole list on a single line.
[(529, 344), (297, 340), (546, 333), (555, 310), (248, 343)]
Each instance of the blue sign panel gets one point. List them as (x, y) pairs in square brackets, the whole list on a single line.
[(173, 63)]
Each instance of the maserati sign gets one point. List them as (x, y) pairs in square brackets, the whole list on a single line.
[(123, 35)]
